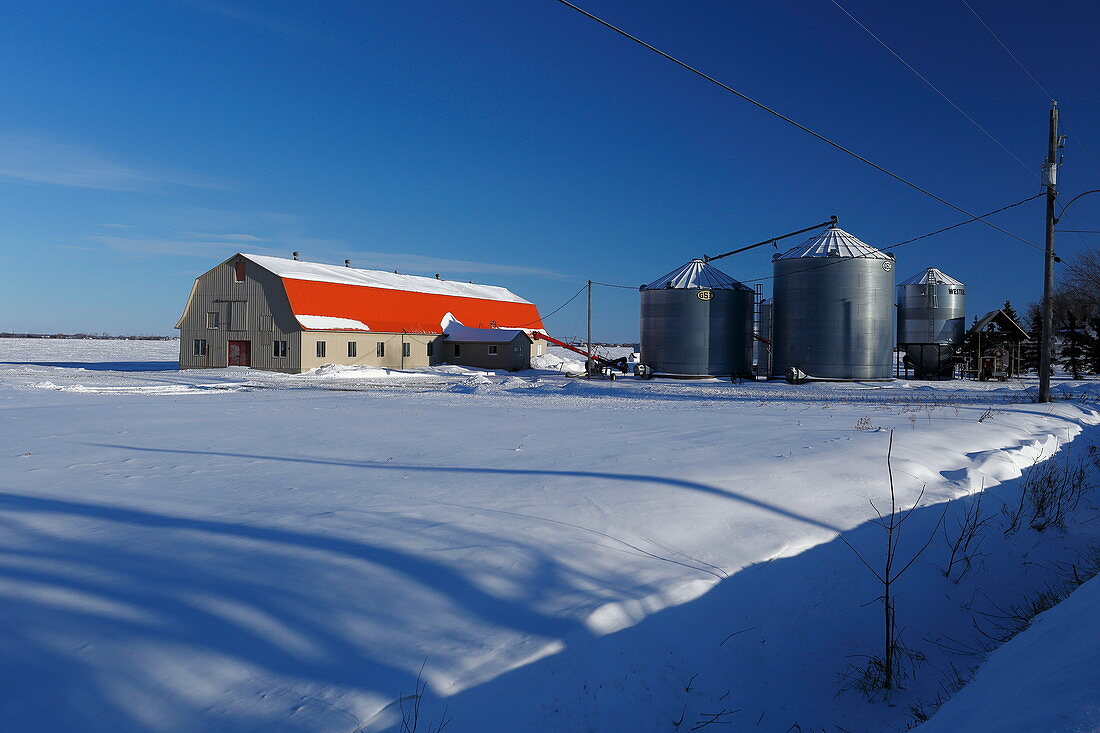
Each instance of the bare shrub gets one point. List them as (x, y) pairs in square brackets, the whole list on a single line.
[(965, 540), (410, 708), (1052, 491), (1006, 622), (864, 423)]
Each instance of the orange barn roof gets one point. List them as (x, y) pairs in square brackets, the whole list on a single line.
[(394, 311), (392, 303)]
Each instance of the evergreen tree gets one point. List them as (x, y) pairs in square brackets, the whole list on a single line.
[(1010, 311), (1075, 346), (1092, 355)]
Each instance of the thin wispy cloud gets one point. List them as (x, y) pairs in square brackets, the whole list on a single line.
[(215, 234), (227, 237), (176, 247), (40, 160), (405, 261), (299, 27)]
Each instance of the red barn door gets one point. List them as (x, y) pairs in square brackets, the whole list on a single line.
[(240, 353)]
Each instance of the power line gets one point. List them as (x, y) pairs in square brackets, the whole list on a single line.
[(1007, 50), (543, 318), (937, 90), (1031, 76), (880, 249), (789, 121), (908, 241)]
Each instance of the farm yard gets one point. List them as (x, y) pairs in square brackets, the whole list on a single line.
[(360, 549)]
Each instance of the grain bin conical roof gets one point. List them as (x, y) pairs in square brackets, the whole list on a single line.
[(833, 242), (696, 274), (930, 276)]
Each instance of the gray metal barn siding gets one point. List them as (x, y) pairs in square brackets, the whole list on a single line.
[(262, 291)]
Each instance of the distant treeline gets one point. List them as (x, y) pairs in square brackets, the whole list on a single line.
[(103, 336)]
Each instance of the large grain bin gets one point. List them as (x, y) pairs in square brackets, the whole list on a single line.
[(833, 316), (931, 322), (696, 322)]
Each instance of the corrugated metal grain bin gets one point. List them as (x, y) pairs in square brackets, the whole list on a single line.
[(833, 316), (931, 321), (696, 321)]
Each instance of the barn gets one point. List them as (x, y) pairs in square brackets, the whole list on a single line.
[(286, 315)]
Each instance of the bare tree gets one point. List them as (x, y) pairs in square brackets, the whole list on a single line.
[(886, 669)]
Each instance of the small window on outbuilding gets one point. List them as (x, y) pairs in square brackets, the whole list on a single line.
[(458, 350), (239, 271), (278, 349), (213, 319), (199, 347), (351, 349), (492, 349), (380, 349), (321, 349), (431, 348), (406, 350)]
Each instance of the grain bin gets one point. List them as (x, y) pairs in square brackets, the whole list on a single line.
[(833, 316), (931, 322), (696, 321)]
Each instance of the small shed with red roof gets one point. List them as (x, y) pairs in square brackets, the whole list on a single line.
[(291, 316)]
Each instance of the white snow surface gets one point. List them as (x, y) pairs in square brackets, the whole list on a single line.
[(318, 272), (1045, 679), (235, 550), (331, 323)]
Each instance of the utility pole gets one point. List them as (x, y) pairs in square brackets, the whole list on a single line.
[(1050, 180), (588, 361)]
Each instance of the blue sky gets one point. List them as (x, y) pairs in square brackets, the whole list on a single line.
[(515, 142)]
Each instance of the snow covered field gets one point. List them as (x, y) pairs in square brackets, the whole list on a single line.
[(236, 550)]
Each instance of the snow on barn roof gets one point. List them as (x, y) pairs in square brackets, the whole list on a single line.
[(930, 276), (318, 272), (333, 298), (330, 323), (453, 329), (833, 242), (696, 274)]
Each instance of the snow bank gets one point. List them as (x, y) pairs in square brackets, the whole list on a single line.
[(1045, 679), (556, 363)]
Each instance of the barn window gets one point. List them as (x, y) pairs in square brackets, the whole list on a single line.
[(212, 319), (406, 349), (238, 271), (278, 349), (431, 348), (492, 350), (321, 349), (351, 349), (458, 350), (199, 347), (380, 349)]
